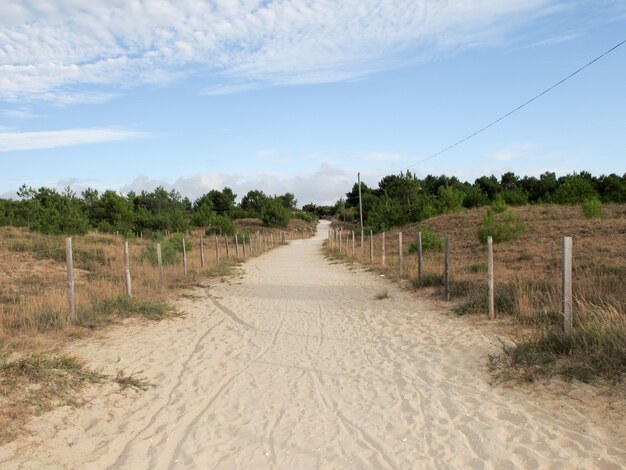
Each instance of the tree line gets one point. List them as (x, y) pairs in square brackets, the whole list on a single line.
[(53, 212), (405, 198)]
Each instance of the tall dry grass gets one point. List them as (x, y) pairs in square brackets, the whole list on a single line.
[(33, 277)]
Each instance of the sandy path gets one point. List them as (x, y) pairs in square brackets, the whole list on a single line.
[(296, 365)]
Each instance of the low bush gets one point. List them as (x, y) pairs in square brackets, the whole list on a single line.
[(430, 241), (592, 208), (501, 227)]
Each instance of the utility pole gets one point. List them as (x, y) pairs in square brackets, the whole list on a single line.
[(360, 210)]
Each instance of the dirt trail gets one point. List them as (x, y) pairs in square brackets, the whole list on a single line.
[(296, 365)]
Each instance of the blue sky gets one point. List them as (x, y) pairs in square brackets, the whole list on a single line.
[(301, 95)]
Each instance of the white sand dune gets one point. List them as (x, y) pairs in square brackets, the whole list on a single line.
[(296, 365)]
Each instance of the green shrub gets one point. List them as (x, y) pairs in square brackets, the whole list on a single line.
[(275, 214), (592, 208), (430, 241), (498, 206), (220, 225), (171, 250), (502, 227)]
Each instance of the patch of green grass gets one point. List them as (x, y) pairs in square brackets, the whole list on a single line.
[(131, 381), (382, 295), (36, 383), (475, 268), (428, 280), (595, 349), (223, 268), (100, 311)]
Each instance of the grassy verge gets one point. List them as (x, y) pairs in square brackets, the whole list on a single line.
[(596, 349)]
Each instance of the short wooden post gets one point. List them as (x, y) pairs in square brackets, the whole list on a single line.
[(340, 237), (71, 300), (252, 250), (353, 243), (129, 287), (184, 257), (371, 247), (490, 286), (201, 251), (446, 268), (419, 256), (243, 245), (227, 247), (237, 246), (217, 249), (382, 255), (160, 262), (401, 256), (567, 285)]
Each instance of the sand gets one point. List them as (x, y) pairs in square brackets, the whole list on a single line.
[(295, 364)]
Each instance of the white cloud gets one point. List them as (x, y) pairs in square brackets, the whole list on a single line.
[(323, 186), (67, 51), (12, 141)]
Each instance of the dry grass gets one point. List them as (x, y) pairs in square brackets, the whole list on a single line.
[(34, 318), (527, 274)]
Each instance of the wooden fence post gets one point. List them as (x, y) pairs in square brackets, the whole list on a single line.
[(492, 310), (129, 287), (382, 256), (446, 268), (353, 244), (237, 246), (251, 249), (217, 249), (184, 257), (243, 245), (160, 262), (371, 247), (419, 256), (227, 248), (401, 256), (567, 285), (71, 300), (201, 251), (340, 237)]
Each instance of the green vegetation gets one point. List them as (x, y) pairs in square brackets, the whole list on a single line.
[(592, 208), (430, 241), (382, 295), (36, 383), (502, 227), (596, 348), (403, 199), (150, 213)]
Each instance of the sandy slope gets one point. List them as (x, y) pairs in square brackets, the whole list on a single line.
[(296, 365)]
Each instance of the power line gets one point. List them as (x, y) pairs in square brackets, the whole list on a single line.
[(519, 107)]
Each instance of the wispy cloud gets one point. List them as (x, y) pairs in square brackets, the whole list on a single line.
[(73, 51), (511, 153), (552, 41), (19, 114), (13, 141)]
